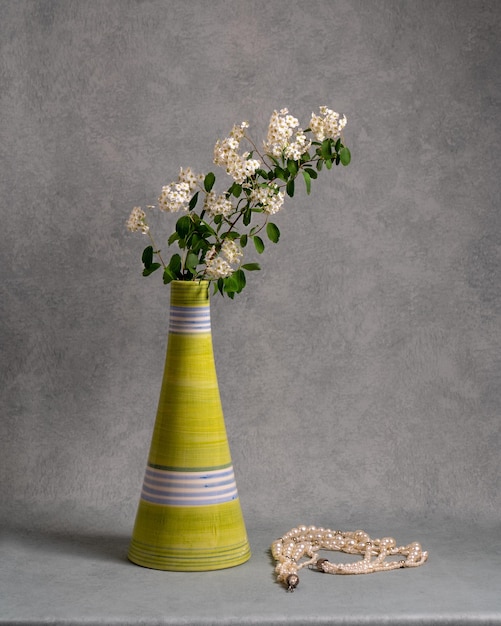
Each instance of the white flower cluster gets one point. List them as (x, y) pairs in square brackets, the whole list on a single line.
[(187, 175), (239, 167), (137, 221), (280, 132), (297, 148), (219, 266), (231, 250), (176, 195), (327, 124), (217, 205), (269, 197)]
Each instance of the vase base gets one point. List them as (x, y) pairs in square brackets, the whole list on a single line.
[(196, 565), (189, 539)]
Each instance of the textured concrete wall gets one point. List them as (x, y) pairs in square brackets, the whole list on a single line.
[(360, 370)]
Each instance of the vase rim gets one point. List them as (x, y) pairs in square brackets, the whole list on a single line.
[(190, 282), (190, 293)]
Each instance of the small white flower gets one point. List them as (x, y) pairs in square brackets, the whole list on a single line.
[(217, 205), (268, 197), (249, 165), (175, 197), (215, 266), (295, 150), (237, 132), (239, 167), (210, 254), (231, 251), (137, 221), (219, 266), (291, 122), (187, 175), (280, 140), (330, 125)]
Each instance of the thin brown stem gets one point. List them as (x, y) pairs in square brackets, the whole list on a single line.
[(156, 250)]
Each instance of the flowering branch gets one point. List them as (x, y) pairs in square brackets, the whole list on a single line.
[(212, 247)]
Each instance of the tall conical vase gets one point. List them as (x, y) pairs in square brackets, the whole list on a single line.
[(189, 516)]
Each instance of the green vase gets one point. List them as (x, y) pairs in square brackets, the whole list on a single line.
[(189, 516)]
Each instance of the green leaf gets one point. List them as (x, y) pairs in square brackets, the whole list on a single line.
[(230, 284), (320, 164), (338, 144), (191, 262), (281, 174), (307, 180), (251, 267), (290, 187), (345, 155), (328, 163), (168, 276), (149, 270), (209, 181), (198, 243), (183, 226), (195, 218), (258, 243), (247, 216), (203, 246), (205, 229), (175, 265), (174, 237), (230, 234), (193, 202), (311, 172), (147, 257), (243, 240), (262, 173), (236, 190), (235, 283), (292, 167), (241, 280), (326, 148), (273, 232)]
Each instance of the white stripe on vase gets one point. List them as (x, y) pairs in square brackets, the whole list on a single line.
[(189, 320), (170, 487)]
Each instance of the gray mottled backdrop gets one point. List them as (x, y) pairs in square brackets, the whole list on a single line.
[(360, 370)]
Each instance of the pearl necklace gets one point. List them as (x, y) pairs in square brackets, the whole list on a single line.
[(306, 541)]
